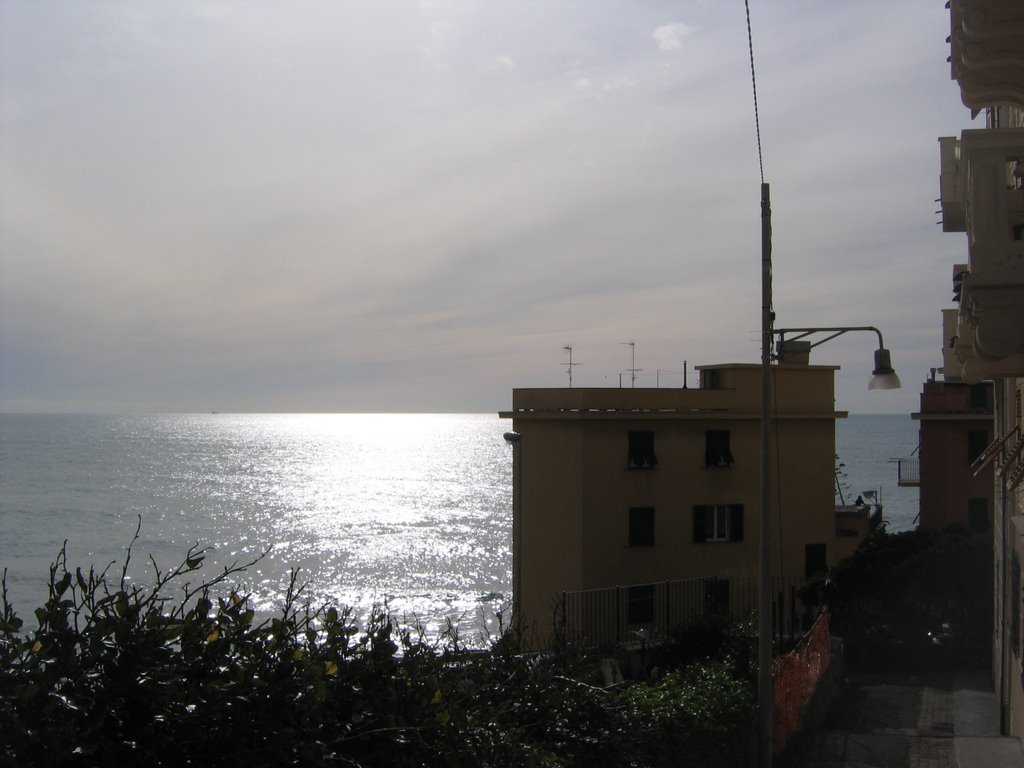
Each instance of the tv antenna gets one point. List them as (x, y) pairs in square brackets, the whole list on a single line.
[(568, 367), (633, 369)]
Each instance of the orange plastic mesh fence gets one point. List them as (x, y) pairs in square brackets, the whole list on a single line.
[(797, 675)]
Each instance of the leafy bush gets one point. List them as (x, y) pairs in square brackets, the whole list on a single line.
[(118, 674), (917, 589), (698, 716)]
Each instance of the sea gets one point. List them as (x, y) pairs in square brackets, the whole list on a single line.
[(408, 511)]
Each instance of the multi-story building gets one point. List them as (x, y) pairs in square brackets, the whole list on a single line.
[(637, 486), (956, 427), (982, 195)]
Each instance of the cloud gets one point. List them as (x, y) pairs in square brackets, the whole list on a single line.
[(438, 33), (669, 37), (504, 63), (185, 221)]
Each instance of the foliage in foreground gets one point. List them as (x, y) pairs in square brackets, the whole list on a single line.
[(924, 591), (118, 674)]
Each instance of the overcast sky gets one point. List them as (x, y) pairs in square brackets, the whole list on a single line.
[(394, 205)]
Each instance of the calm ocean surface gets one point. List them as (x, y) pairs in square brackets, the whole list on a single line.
[(414, 510)]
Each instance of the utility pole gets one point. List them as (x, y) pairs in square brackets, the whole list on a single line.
[(765, 684)]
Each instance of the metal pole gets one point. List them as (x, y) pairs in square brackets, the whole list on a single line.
[(765, 688)]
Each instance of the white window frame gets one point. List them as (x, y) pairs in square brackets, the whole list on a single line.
[(716, 526)]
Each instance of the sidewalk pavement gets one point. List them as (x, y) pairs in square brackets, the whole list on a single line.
[(937, 720)]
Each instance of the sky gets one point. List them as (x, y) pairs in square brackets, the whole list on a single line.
[(405, 206)]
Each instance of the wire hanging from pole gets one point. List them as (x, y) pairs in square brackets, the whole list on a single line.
[(765, 683), (753, 83)]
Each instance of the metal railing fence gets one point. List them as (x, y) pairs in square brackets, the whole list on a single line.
[(622, 614), (909, 471)]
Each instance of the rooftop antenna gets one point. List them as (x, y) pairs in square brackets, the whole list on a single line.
[(568, 367), (633, 369)]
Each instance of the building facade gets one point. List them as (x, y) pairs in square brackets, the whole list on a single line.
[(955, 429), (982, 196), (637, 486)]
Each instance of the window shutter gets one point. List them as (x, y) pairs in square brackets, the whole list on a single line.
[(641, 450), (717, 452), (710, 456), (699, 530), (735, 522)]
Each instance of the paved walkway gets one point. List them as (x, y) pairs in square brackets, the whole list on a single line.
[(944, 720)]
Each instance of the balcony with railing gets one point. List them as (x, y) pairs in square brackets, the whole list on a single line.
[(908, 471), (982, 194)]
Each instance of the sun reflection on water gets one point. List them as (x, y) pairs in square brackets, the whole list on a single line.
[(411, 510)]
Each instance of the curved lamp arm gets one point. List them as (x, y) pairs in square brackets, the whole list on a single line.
[(882, 377)]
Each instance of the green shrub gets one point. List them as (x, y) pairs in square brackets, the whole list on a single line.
[(118, 674), (915, 591), (698, 716)]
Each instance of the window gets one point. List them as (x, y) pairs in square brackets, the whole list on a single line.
[(641, 604), (814, 559), (641, 451), (717, 522), (641, 526), (716, 448), (979, 395), (977, 515), (977, 442)]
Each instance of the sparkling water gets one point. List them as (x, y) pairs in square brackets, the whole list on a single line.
[(409, 510)]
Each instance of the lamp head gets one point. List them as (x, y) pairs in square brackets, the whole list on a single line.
[(883, 377)]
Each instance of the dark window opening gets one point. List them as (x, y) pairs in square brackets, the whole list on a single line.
[(979, 395), (641, 604), (717, 522), (814, 560), (709, 379), (641, 451), (977, 515), (641, 526), (716, 448), (977, 441)]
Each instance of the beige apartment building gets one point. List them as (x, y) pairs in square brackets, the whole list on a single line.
[(617, 487), (982, 195)]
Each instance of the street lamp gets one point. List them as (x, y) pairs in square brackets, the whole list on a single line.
[(882, 377)]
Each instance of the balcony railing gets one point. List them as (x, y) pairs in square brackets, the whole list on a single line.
[(982, 194), (909, 471), (624, 614)]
